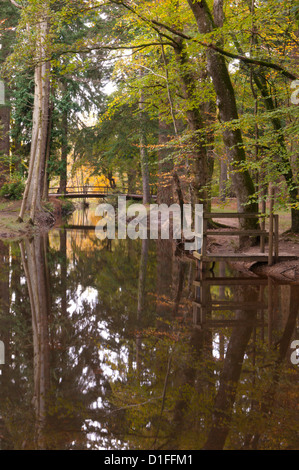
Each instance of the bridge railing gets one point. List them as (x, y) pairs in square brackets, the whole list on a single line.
[(92, 189), (81, 189)]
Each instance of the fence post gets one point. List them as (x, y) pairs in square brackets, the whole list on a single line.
[(270, 255), (204, 236), (263, 226), (276, 233)]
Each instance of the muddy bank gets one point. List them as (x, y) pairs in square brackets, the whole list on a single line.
[(52, 213), (287, 271)]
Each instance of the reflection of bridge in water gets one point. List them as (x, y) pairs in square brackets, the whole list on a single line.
[(85, 192)]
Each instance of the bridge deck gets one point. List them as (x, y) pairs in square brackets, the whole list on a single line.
[(90, 195)]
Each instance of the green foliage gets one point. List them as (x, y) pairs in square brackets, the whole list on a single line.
[(67, 207), (88, 46), (13, 189)]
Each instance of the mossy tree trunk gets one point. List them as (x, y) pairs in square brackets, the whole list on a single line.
[(226, 102), (196, 125), (38, 153)]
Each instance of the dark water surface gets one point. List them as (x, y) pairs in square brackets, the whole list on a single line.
[(105, 349)]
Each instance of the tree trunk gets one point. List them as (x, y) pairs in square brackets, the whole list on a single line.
[(7, 15), (198, 159), (287, 172), (4, 142), (222, 179), (262, 85), (228, 112), (33, 190), (4, 127), (64, 149), (131, 180), (144, 153), (165, 182)]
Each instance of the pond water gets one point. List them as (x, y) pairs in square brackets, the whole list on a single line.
[(106, 349)]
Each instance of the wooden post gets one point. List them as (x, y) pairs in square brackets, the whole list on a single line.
[(270, 255), (263, 224), (202, 312), (276, 238), (204, 237)]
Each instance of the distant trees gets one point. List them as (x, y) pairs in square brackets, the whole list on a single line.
[(8, 20)]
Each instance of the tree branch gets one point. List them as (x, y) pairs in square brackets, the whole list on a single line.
[(16, 4), (244, 59)]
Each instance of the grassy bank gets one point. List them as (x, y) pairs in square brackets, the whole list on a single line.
[(10, 228), (9, 225)]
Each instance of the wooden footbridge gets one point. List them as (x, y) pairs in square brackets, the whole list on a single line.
[(87, 192)]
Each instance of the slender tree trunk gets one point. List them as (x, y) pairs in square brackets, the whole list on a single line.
[(5, 112), (33, 190), (4, 125), (287, 171), (144, 153), (199, 158), (64, 147), (258, 77), (222, 179), (4, 142), (45, 181), (4, 138), (131, 180), (227, 106), (165, 181)]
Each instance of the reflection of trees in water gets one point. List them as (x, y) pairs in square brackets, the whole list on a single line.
[(230, 375), (111, 355), (33, 254), (271, 392), (263, 389), (4, 315), (213, 403), (67, 379)]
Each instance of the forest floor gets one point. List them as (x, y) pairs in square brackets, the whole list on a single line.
[(11, 228), (287, 271)]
